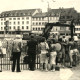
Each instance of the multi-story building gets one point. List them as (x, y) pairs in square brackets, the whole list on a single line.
[(33, 20), (18, 21), (66, 15), (40, 19), (54, 15), (77, 25)]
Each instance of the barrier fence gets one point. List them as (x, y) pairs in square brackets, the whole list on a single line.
[(6, 64)]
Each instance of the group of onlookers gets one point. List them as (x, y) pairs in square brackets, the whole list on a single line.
[(47, 51), (69, 48)]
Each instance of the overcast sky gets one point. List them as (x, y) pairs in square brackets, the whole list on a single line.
[(6, 5)]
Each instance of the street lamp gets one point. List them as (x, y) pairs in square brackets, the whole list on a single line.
[(48, 8)]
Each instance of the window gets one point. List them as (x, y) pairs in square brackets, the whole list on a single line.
[(4, 28), (33, 18), (14, 18), (62, 28), (36, 18), (18, 22), (21, 14), (33, 28), (36, 23), (22, 22), (33, 23), (1, 23), (9, 23), (2, 19), (14, 22), (18, 27), (43, 23), (27, 22), (38, 28), (39, 18), (27, 17), (39, 23), (22, 27), (42, 18), (56, 29), (26, 27), (10, 18), (22, 18), (1, 28), (10, 27), (18, 18), (14, 27)]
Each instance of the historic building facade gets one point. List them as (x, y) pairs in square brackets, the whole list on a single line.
[(18, 21), (33, 20)]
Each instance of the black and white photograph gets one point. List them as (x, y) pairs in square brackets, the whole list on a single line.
[(39, 39)]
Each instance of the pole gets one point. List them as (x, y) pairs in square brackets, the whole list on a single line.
[(48, 12), (72, 27)]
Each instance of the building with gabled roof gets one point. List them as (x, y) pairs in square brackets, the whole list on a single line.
[(19, 13), (34, 20), (19, 21)]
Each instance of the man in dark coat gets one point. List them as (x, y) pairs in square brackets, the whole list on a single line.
[(31, 52)]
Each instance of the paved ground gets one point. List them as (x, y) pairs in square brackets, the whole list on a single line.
[(63, 74)]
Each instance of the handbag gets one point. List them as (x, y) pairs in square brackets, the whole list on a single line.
[(57, 68)]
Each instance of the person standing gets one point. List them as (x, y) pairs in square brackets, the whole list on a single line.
[(43, 46), (71, 51), (16, 52), (53, 54), (31, 52)]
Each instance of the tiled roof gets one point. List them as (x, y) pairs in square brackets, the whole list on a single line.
[(40, 15), (16, 13), (62, 11)]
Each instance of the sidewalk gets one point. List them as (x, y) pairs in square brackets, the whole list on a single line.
[(63, 74)]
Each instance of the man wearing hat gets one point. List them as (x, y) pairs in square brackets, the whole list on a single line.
[(31, 52)]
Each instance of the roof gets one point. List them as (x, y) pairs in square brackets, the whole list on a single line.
[(62, 11), (40, 14), (16, 13)]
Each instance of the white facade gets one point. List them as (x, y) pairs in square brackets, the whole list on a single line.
[(38, 23), (21, 23), (77, 30)]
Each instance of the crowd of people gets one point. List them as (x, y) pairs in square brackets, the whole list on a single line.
[(52, 53)]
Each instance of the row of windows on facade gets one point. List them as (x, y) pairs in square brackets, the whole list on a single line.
[(77, 29), (3, 23), (14, 14), (27, 27), (54, 29), (34, 23), (15, 18), (66, 17), (43, 18), (39, 23), (37, 29)]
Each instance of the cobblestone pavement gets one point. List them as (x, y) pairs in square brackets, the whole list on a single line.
[(63, 74)]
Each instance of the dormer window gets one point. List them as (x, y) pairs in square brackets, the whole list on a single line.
[(21, 14)]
